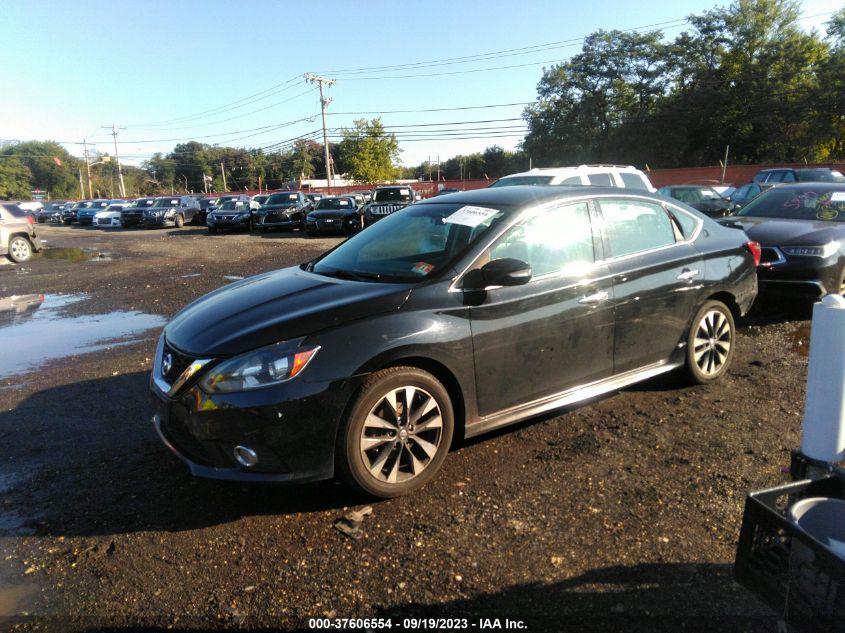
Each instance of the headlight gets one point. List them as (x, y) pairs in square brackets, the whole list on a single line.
[(260, 368), (825, 251), (169, 212)]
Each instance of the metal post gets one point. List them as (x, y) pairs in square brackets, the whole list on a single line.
[(223, 171), (725, 164), (81, 188)]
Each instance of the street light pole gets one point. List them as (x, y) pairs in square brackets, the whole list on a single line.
[(114, 129), (324, 103), (88, 170)]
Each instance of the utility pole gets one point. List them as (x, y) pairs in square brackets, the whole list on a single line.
[(114, 130), (88, 170), (81, 188), (324, 103), (223, 171)]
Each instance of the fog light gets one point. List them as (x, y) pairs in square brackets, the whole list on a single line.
[(245, 456)]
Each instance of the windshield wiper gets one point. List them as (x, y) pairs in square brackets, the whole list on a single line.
[(356, 275)]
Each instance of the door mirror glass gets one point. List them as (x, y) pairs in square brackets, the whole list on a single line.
[(498, 272)]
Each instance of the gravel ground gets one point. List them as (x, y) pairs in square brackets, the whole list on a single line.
[(621, 514)]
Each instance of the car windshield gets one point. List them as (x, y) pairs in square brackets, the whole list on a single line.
[(694, 194), (392, 195), (805, 203), (113, 207), (166, 202), (522, 180), (231, 205), (334, 203), (819, 175), (282, 198), (410, 245)]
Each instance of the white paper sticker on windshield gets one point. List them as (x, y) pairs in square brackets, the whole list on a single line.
[(404, 192), (837, 196), (470, 216), (344, 203)]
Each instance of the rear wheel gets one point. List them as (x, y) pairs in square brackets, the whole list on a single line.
[(212, 230), (20, 249), (397, 434), (710, 344)]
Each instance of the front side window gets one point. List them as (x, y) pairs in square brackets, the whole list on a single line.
[(558, 240), (634, 226)]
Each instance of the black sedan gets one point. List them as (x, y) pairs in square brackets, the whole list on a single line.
[(133, 215), (700, 197), (233, 214), (334, 215), (282, 210), (450, 318), (801, 229)]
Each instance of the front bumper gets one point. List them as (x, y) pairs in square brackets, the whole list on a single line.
[(158, 221), (85, 220), (224, 223), (333, 225), (292, 429), (277, 221)]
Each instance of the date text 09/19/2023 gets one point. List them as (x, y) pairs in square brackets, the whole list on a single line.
[(415, 624)]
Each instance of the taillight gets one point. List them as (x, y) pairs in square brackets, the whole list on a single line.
[(754, 248), (30, 219)]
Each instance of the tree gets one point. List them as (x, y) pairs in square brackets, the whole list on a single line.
[(369, 151), (15, 179)]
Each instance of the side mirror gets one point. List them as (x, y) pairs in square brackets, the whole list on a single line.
[(498, 272)]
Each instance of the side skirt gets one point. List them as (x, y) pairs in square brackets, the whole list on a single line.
[(568, 397)]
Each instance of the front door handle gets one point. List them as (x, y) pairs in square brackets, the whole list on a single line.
[(593, 299), (687, 275)]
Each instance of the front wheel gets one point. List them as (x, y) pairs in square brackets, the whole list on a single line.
[(179, 221), (397, 434), (20, 249), (710, 344)]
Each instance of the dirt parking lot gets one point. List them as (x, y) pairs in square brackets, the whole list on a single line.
[(621, 514)]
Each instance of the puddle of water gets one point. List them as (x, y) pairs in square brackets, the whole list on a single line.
[(47, 333), (801, 340), (76, 254), (233, 277)]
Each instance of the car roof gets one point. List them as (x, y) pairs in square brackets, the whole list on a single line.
[(527, 195), (816, 186)]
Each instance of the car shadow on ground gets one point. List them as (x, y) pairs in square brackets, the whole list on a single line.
[(645, 597), (84, 459)]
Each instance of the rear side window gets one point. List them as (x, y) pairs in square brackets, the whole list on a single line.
[(572, 180), (634, 226), (14, 210), (633, 181), (686, 223), (602, 179)]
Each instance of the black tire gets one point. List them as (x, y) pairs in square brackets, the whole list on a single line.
[(179, 220), (310, 233), (20, 249), (384, 452), (710, 343), (212, 230)]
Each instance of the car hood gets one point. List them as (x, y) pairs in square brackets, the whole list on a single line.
[(777, 232), (276, 306), (323, 214)]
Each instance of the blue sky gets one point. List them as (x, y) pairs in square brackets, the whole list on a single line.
[(231, 72)]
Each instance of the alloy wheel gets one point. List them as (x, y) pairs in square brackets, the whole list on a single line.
[(20, 249), (712, 342), (401, 434)]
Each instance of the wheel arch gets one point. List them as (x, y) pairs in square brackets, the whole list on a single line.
[(439, 370), (728, 299)]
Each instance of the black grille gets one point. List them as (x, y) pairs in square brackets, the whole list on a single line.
[(180, 363)]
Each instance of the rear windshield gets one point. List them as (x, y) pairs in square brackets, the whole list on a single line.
[(819, 175), (806, 203)]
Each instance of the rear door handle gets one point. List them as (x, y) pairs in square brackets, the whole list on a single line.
[(687, 275), (593, 299)]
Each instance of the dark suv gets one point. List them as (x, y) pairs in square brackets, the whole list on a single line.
[(171, 211), (387, 200), (283, 210)]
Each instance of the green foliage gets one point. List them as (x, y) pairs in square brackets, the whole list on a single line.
[(15, 179), (746, 76), (370, 153), (46, 165)]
